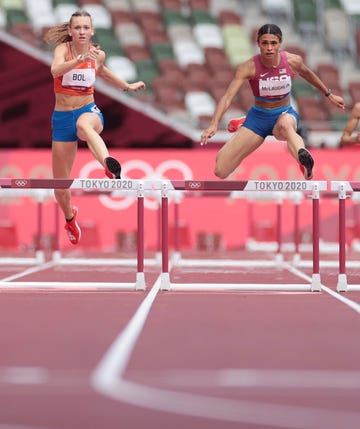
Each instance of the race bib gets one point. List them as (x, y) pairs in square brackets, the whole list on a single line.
[(79, 78)]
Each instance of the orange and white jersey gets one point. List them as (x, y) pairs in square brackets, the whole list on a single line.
[(78, 81)]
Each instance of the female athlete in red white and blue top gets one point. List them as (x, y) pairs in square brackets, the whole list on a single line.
[(270, 76), (268, 84), (271, 83)]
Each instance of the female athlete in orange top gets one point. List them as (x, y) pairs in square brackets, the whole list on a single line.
[(75, 65)]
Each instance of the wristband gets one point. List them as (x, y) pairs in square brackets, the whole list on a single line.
[(329, 92)]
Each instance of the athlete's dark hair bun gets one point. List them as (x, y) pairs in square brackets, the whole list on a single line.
[(269, 29)]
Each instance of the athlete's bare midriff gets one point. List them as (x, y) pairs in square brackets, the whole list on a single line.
[(65, 102), (273, 104)]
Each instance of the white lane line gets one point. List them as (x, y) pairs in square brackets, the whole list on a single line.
[(23, 375), (352, 304), (108, 379), (116, 358), (252, 377), (240, 411), (28, 271), (15, 426)]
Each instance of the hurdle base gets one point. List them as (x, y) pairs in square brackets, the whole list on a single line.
[(56, 256), (40, 256), (176, 257), (279, 258), (296, 259), (355, 245), (342, 285), (140, 281), (316, 283), (165, 281)]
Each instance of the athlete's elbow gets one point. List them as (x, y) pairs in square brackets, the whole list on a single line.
[(54, 73)]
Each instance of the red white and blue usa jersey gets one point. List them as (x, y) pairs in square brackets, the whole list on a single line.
[(271, 83)]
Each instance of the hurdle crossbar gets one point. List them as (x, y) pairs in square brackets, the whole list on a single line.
[(86, 184), (343, 189), (252, 185), (138, 193)]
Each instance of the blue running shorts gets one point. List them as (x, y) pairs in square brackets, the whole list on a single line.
[(64, 122), (262, 121)]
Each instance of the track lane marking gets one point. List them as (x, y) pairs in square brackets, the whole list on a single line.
[(28, 271), (108, 379), (352, 304)]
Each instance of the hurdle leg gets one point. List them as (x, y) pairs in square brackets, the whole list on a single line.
[(296, 258), (355, 241), (251, 232), (316, 281), (165, 278), (56, 255), (140, 276), (176, 256), (342, 285), (159, 232), (39, 250), (279, 255)]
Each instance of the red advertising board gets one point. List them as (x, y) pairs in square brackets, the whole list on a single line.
[(110, 216)]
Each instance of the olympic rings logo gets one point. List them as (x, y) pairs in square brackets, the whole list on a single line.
[(145, 171), (21, 183), (194, 185)]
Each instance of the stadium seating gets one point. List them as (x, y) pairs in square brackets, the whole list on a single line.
[(123, 67), (339, 37), (117, 5), (237, 44), (278, 8), (357, 45), (107, 39), (306, 17), (208, 35), (200, 105), (187, 52), (354, 91), (2, 19), (313, 115), (41, 14), (192, 47), (330, 75)]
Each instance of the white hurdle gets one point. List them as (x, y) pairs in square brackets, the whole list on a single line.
[(312, 187), (89, 185), (344, 190), (251, 244)]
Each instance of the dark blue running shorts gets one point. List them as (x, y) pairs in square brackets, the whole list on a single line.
[(262, 121), (64, 122)]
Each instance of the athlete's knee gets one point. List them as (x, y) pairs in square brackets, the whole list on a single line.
[(220, 171), (222, 166), (221, 174), (282, 128), (82, 128), (285, 124)]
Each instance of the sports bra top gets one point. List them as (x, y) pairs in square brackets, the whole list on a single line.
[(78, 81), (271, 83)]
